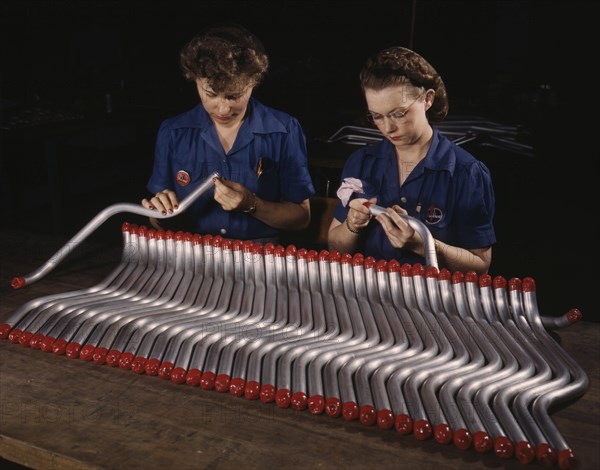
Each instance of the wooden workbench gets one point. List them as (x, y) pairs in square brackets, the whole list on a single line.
[(69, 414)]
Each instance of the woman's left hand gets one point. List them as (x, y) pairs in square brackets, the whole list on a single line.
[(233, 196), (398, 231)]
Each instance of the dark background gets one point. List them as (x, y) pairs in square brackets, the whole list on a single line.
[(85, 85)]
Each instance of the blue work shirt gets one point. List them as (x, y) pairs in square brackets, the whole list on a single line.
[(449, 191), (268, 157)]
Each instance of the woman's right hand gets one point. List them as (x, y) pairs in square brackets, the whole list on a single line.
[(359, 215), (164, 201)]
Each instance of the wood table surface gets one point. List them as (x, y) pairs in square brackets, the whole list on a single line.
[(63, 413)]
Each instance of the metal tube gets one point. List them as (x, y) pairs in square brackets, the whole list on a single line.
[(34, 276)]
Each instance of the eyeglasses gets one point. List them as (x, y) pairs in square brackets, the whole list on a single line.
[(394, 116)]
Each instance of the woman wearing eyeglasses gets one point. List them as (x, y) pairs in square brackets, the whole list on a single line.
[(413, 171), (260, 152)]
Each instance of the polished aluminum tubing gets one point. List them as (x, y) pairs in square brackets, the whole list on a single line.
[(158, 334), (162, 293), (28, 311), (93, 328), (72, 331), (554, 391), (34, 276), (56, 318), (417, 226), (464, 362), (175, 345), (379, 345), (274, 316), (368, 411), (121, 335)]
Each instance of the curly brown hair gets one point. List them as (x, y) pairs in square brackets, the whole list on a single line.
[(399, 66), (226, 56)]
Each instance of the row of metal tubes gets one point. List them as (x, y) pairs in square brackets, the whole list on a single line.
[(362, 295)]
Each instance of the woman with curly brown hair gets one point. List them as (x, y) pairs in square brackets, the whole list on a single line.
[(414, 171), (259, 152)]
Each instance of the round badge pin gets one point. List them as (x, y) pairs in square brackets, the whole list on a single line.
[(182, 178)]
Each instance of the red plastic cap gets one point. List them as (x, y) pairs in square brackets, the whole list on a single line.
[(334, 256), (528, 284), (125, 360), (267, 393), (192, 377), (406, 270), (381, 266), (431, 272), (503, 448), (499, 282), (393, 266), (99, 355), (514, 283), (134, 229), (268, 248), (524, 452), (299, 401), (567, 460), (485, 280), (178, 375), (138, 365), (471, 276), (196, 239), (169, 235), (418, 270), (333, 407), (246, 246), (482, 442), (350, 411), (346, 258), (370, 262), (403, 424), (316, 404), (358, 260), (422, 429), (179, 235), (112, 358), (323, 255), (207, 239), (4, 330), (59, 347), (165, 369), (367, 204), (385, 419), (160, 234), (445, 275), (18, 282), (367, 415), (237, 386), (301, 253), (252, 390), (217, 241), (150, 233), (443, 434), (222, 383), (574, 315), (151, 366), (545, 455), (207, 381), (188, 236), (36, 341), (311, 256), (227, 245), (72, 350), (290, 250), (257, 249), (279, 251), (24, 338), (457, 277), (125, 227), (283, 398), (87, 352), (462, 439)]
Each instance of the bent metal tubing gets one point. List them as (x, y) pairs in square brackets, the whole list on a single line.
[(31, 309), (34, 276)]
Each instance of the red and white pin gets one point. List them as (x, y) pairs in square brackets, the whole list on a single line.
[(182, 178)]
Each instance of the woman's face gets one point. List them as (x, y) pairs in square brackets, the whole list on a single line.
[(399, 112), (228, 108)]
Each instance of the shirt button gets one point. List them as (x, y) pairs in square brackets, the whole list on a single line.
[(223, 231), (403, 200)]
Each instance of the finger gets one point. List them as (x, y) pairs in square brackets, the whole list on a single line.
[(399, 210), (146, 203)]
